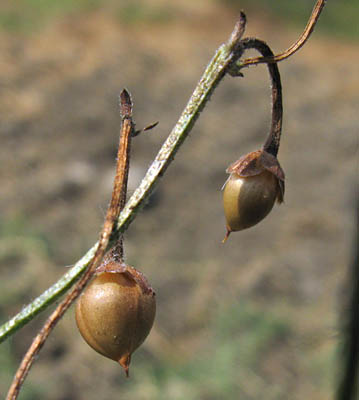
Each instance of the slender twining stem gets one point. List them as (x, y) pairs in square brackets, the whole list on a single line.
[(272, 143), (117, 202), (295, 46)]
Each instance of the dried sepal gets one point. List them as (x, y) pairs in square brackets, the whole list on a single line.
[(254, 163), (248, 165), (132, 273)]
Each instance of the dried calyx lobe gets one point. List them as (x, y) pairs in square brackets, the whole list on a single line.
[(116, 311)]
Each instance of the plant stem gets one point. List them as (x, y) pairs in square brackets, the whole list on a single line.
[(271, 145), (308, 30), (118, 199)]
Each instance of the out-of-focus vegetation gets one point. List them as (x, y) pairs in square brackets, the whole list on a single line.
[(240, 334), (32, 15), (339, 19), (28, 15), (24, 256)]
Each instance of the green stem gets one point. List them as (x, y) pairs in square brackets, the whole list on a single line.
[(47, 298), (226, 55)]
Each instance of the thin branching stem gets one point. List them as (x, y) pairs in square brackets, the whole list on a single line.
[(313, 19)]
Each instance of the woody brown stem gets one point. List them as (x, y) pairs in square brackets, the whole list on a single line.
[(271, 145), (117, 203), (119, 194)]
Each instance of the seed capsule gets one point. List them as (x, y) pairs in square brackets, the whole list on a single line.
[(256, 181), (116, 312)]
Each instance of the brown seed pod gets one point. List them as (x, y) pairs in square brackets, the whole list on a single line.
[(256, 181), (116, 312)]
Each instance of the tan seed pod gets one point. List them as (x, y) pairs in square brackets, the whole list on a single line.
[(116, 312), (256, 181), (248, 200)]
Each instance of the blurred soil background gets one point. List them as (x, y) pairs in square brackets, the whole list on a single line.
[(258, 317)]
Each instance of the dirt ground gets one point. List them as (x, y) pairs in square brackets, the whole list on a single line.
[(258, 315)]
